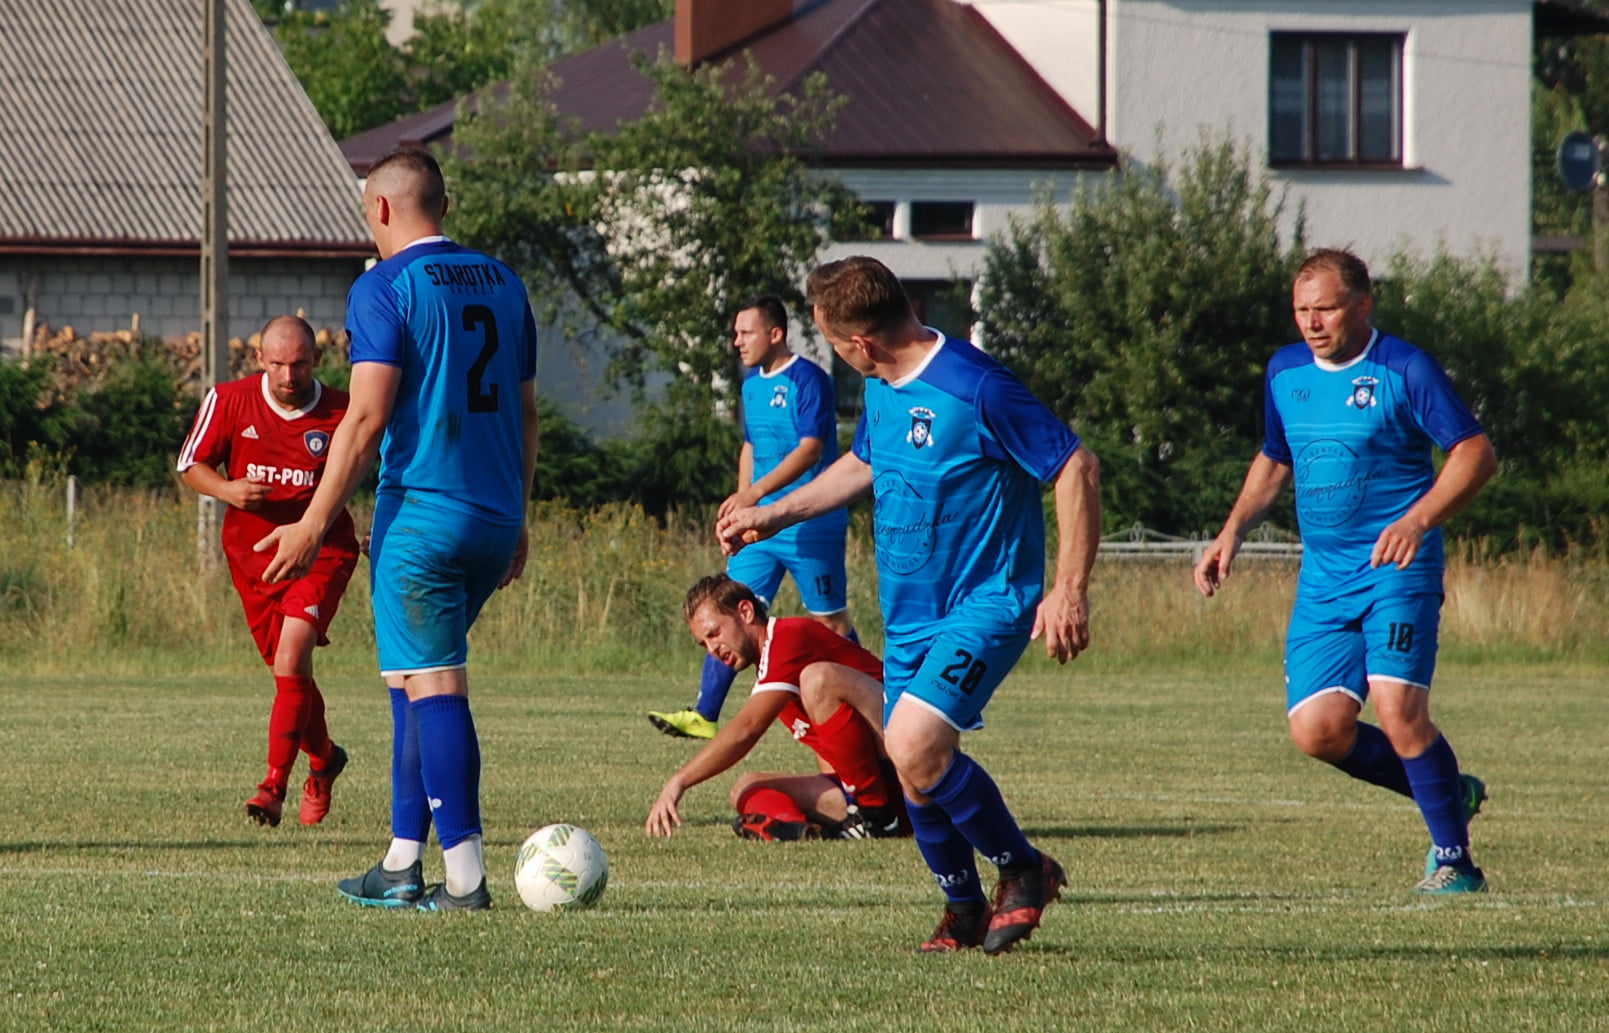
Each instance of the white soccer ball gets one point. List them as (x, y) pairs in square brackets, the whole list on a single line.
[(560, 866)]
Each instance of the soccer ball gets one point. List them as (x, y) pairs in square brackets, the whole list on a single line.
[(560, 866)]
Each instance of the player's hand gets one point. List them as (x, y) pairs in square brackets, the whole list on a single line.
[(743, 498), (1063, 618), (295, 548), (742, 527), (664, 819), (1215, 564), (244, 494), (516, 563), (1399, 543)]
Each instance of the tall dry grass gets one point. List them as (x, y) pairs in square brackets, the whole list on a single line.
[(603, 590)]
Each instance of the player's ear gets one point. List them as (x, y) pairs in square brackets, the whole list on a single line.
[(745, 611)]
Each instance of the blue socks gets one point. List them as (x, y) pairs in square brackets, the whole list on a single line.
[(1440, 796), (449, 755), (1374, 761), (967, 813), (410, 807), (713, 686)]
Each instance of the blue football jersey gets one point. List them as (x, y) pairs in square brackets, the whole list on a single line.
[(958, 452), (1359, 437), (780, 409), (458, 325)]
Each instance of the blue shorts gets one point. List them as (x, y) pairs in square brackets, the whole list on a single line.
[(954, 671), (431, 570), (816, 563), (1339, 645)]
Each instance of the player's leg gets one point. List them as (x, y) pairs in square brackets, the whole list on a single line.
[(1402, 635), (398, 880), (817, 566), (1325, 688), (781, 807), (263, 618), (303, 704), (841, 703)]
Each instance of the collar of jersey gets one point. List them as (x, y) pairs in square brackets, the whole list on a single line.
[(434, 238), (779, 370), (927, 360), (289, 414), (1336, 367)]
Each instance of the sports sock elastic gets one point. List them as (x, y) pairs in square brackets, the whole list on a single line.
[(449, 760), (315, 733), (402, 853), (713, 685), (410, 807), (948, 854), (1374, 761), (285, 722), (973, 802), (851, 748), (465, 867), (1440, 796), (766, 800)]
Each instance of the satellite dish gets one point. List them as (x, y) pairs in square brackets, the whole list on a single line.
[(1579, 161)]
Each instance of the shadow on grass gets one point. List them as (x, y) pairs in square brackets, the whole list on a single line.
[(1128, 831)]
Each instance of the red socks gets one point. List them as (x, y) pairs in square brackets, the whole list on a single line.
[(851, 748), (296, 723)]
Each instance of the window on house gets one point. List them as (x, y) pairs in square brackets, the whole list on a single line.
[(941, 220), (877, 224), (1335, 99)]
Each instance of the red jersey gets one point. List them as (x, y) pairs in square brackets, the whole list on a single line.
[(791, 645), (241, 428)]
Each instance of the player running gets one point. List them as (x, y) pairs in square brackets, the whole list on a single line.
[(271, 434), (954, 448), (825, 690), (1352, 416), (790, 434)]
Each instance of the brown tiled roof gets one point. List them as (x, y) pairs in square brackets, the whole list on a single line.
[(928, 82), (101, 107)]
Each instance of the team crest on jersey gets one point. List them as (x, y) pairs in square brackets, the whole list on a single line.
[(317, 442), (779, 397), (921, 432), (1363, 393)]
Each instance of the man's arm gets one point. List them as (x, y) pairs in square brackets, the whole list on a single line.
[(353, 446), (239, 492), (794, 465), (532, 431), (1063, 616), (1264, 482), (730, 745), (840, 484), (1470, 464)]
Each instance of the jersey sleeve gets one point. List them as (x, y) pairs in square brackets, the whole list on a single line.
[(1437, 408), (208, 441), (814, 415), (376, 324), (1275, 446), (1030, 433), (786, 657)]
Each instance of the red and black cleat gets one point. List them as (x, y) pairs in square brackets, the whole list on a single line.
[(1019, 903)]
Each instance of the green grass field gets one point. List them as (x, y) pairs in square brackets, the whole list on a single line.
[(1219, 880)]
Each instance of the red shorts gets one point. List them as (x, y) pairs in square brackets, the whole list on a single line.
[(313, 598)]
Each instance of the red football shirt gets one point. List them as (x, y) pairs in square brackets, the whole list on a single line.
[(242, 429), (791, 645)]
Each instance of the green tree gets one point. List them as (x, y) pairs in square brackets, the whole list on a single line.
[(351, 73), (1142, 312), (657, 230)]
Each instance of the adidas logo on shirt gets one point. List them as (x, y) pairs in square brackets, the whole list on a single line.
[(250, 432), (312, 611)]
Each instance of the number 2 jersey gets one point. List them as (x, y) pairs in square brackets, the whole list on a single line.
[(458, 326), (240, 428), (1359, 437), (958, 450)]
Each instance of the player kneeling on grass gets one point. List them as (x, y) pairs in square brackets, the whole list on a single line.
[(825, 690), (271, 434)]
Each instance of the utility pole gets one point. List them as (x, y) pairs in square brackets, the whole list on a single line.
[(214, 243)]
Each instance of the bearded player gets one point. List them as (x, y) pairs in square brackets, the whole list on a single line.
[(825, 690), (269, 433)]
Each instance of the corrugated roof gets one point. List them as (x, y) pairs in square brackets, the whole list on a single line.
[(101, 105), (928, 82)]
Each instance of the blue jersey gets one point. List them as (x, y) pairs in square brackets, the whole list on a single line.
[(458, 325), (779, 410), (1359, 437), (958, 451)]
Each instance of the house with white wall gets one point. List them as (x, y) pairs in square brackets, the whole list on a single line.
[(1392, 124)]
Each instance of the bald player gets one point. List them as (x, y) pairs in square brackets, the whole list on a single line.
[(444, 391)]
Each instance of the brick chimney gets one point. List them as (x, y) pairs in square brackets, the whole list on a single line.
[(705, 27)]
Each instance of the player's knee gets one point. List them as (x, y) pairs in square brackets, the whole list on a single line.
[(742, 787), (1328, 738)]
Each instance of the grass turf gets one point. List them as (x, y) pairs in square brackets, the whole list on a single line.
[(1219, 881)]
